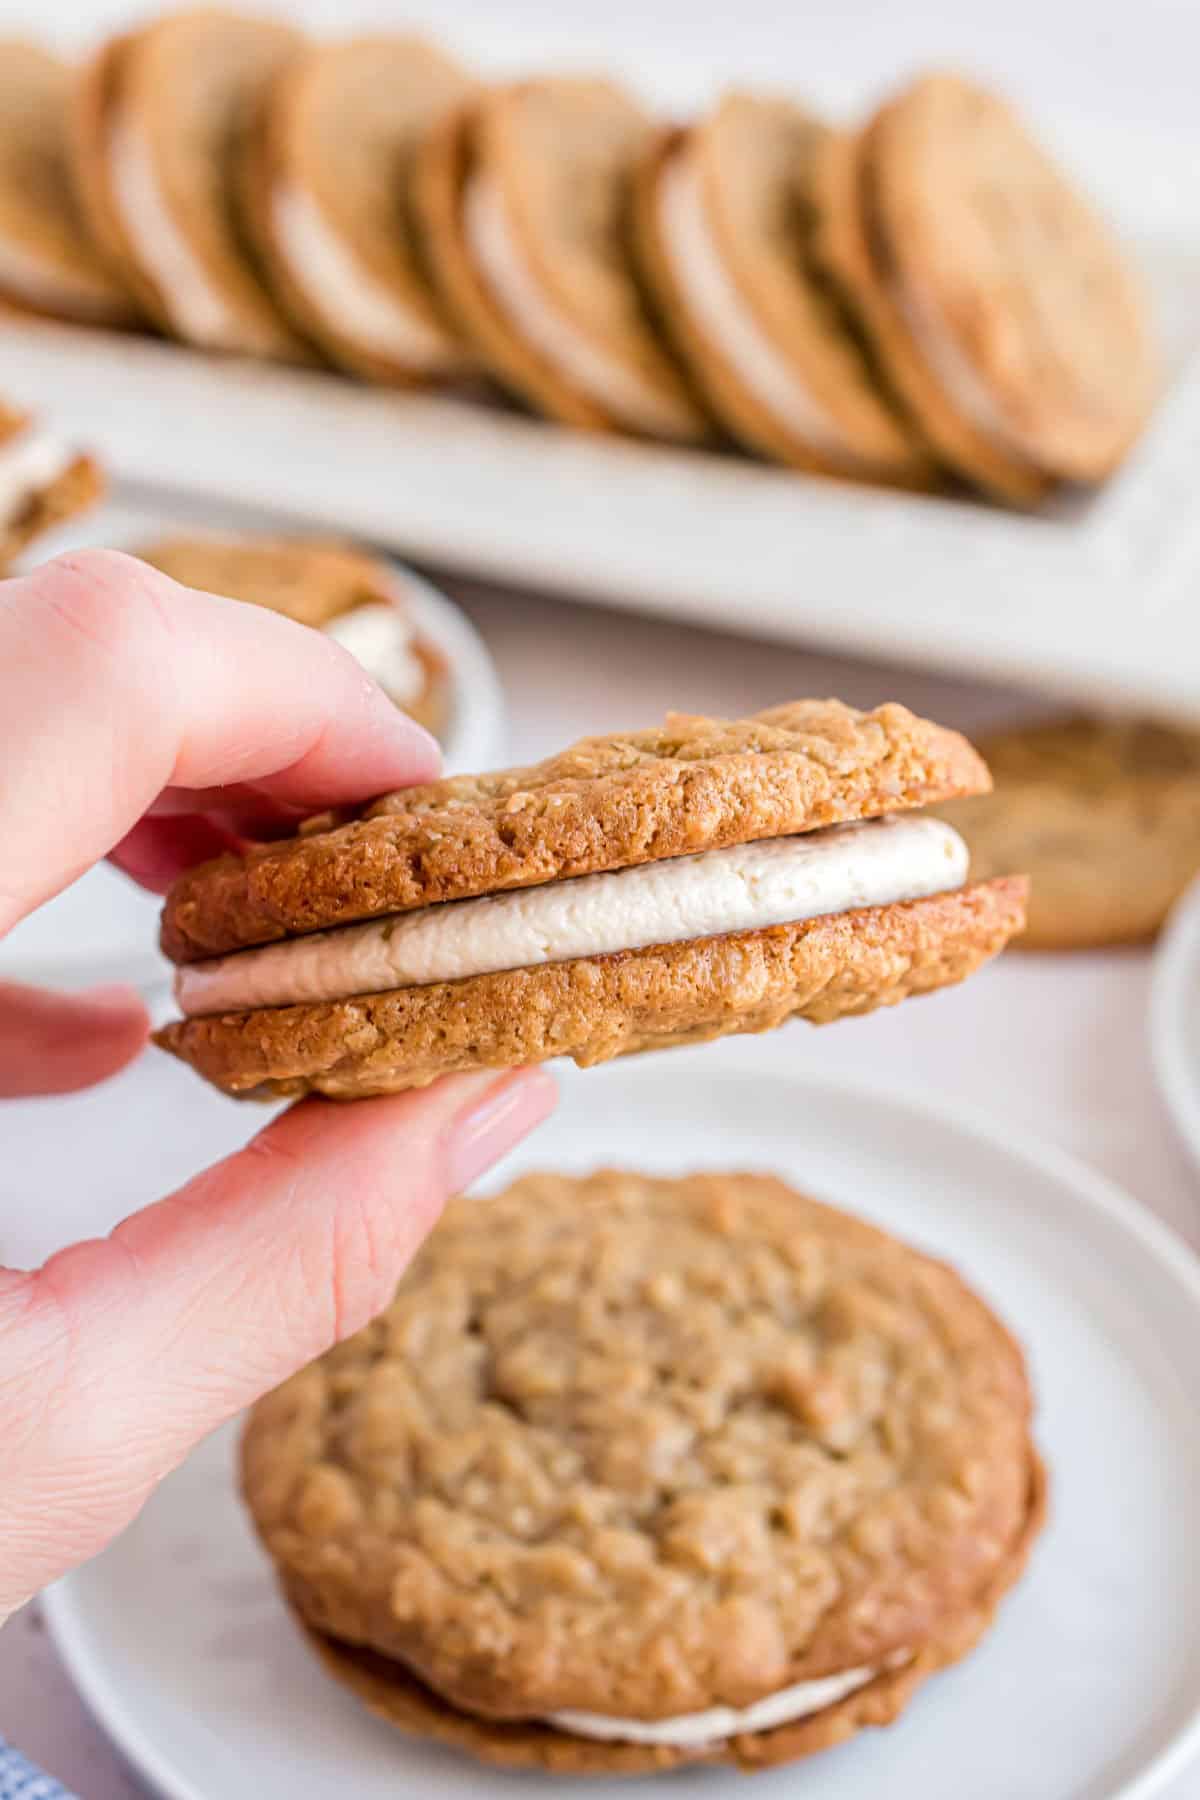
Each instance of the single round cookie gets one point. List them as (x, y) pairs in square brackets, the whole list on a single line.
[(157, 121), (1004, 314), (625, 1450), (325, 184), (47, 260), (723, 220), (1104, 815), (523, 196), (43, 482), (355, 598), (636, 892)]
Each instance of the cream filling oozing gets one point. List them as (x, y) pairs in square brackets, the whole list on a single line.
[(29, 463), (777, 881), (380, 637), (609, 381), (954, 373), (348, 295), (27, 278), (711, 293), (195, 302), (716, 1723)]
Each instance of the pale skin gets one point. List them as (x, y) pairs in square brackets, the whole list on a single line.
[(155, 726)]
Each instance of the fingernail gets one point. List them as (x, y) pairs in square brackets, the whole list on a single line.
[(117, 996), (492, 1121)]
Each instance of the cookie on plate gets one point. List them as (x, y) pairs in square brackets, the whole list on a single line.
[(523, 196), (157, 120), (1003, 313), (637, 1472), (48, 262), (354, 598), (637, 891), (1104, 814), (43, 482), (325, 185), (723, 223)]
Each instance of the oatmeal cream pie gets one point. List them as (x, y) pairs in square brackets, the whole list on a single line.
[(159, 116), (1003, 313), (723, 223), (637, 1472), (523, 195), (641, 890), (43, 482), (47, 260), (325, 194), (354, 598)]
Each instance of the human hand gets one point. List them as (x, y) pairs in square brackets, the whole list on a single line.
[(144, 722)]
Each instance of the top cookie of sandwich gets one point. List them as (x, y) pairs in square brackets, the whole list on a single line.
[(47, 260), (158, 120), (523, 197), (689, 785), (1003, 310), (724, 221), (325, 184)]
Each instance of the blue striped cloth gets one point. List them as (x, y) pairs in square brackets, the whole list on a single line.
[(19, 1780)]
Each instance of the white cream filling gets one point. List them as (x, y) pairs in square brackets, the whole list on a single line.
[(954, 374), (24, 276), (608, 380), (746, 887), (198, 309), (29, 463), (716, 1723), (347, 294), (380, 637), (710, 293)]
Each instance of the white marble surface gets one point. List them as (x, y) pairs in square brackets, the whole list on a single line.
[(1054, 1044)]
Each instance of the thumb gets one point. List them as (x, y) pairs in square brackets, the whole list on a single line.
[(120, 1354)]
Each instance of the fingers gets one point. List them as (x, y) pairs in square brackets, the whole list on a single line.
[(125, 1352), (55, 1043), (168, 688)]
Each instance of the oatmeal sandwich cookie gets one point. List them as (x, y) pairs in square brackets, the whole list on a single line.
[(638, 1472), (157, 121), (523, 197), (640, 890), (1003, 313), (48, 262), (43, 482), (325, 190), (354, 598), (723, 223)]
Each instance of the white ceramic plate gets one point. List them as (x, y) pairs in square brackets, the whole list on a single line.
[(1088, 1688), (1175, 1017), (104, 928)]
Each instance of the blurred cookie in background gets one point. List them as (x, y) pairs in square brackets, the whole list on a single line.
[(354, 598), (1003, 312), (324, 187), (523, 197), (157, 119), (43, 482), (1104, 817), (48, 262), (723, 223)]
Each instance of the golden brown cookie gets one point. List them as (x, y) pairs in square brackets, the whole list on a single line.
[(157, 122), (48, 262), (523, 197), (43, 482), (723, 223), (638, 891), (1005, 316), (325, 190), (1104, 815), (357, 599), (625, 1449)]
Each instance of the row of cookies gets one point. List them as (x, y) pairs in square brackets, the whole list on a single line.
[(920, 301)]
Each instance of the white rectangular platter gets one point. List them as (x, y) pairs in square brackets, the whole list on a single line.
[(1096, 598)]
